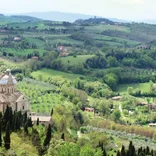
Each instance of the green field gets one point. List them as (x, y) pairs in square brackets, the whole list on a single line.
[(115, 39), (101, 28), (40, 44), (21, 52), (142, 86), (79, 59), (46, 73)]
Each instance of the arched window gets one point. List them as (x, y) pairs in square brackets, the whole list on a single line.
[(23, 107)]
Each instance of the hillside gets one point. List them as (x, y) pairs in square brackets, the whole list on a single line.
[(16, 18), (94, 77)]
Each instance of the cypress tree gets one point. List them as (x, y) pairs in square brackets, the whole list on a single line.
[(118, 153), (26, 128), (131, 149), (37, 123), (25, 118), (123, 152), (7, 137), (147, 150), (30, 122), (62, 137), (52, 111), (48, 136)]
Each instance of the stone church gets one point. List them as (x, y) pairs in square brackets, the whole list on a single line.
[(9, 95)]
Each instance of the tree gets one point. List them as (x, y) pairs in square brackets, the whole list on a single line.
[(52, 111), (112, 61), (131, 149), (69, 149), (26, 128), (116, 115), (7, 137), (89, 151), (62, 137), (123, 152), (111, 80), (37, 123), (48, 136)]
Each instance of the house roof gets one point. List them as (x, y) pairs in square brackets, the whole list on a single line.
[(88, 108), (116, 98), (20, 98), (41, 118), (152, 124)]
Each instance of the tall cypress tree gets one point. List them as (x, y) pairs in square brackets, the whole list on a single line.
[(62, 137), (131, 149), (7, 137), (37, 123), (48, 136), (26, 128), (52, 111), (118, 153), (123, 152)]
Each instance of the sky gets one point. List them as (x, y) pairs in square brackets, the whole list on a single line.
[(123, 9)]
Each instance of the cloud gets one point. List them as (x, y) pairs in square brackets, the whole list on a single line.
[(127, 2), (136, 1)]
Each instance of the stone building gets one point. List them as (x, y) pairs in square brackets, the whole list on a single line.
[(9, 95)]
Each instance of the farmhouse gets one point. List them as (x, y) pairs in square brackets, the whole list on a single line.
[(116, 98), (152, 125), (89, 109), (10, 96), (17, 39), (45, 120)]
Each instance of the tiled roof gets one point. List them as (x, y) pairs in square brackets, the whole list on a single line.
[(41, 118)]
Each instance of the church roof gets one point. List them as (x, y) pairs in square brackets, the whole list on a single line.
[(8, 78)]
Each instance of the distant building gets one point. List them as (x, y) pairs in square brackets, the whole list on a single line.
[(152, 106), (34, 57), (61, 48), (116, 98), (10, 96), (152, 125), (45, 120), (17, 38), (88, 109), (64, 54)]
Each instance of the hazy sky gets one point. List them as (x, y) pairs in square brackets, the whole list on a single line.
[(124, 9)]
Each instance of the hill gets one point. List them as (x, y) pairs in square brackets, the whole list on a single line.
[(92, 21), (59, 16), (16, 18)]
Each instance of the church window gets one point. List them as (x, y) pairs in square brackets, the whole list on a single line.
[(23, 107)]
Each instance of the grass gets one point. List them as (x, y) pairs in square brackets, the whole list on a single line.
[(40, 44), (142, 86), (65, 41), (71, 60), (46, 73), (101, 28), (115, 39)]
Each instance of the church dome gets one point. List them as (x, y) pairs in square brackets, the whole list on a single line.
[(8, 78)]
